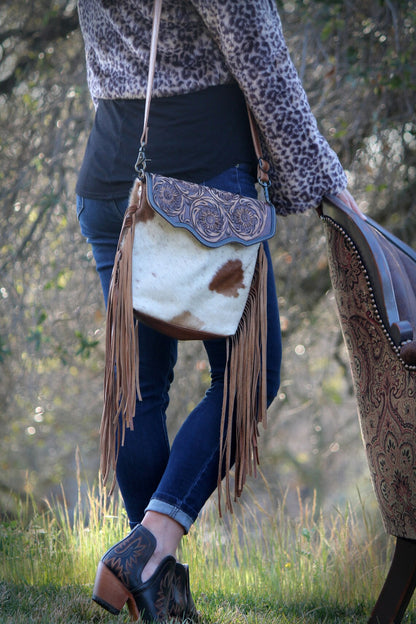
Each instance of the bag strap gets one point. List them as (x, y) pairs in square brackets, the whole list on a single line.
[(140, 166), (157, 9)]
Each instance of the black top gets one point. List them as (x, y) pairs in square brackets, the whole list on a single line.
[(191, 137)]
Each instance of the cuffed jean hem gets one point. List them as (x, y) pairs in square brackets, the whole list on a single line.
[(173, 512)]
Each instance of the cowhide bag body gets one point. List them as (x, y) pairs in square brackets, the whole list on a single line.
[(194, 255)]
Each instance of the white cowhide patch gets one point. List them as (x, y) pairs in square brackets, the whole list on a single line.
[(186, 283)]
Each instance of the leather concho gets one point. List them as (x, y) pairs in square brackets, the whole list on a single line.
[(214, 217)]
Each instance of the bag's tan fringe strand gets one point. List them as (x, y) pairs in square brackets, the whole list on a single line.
[(245, 399), (121, 382)]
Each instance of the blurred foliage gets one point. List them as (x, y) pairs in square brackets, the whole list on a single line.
[(356, 60), (52, 317)]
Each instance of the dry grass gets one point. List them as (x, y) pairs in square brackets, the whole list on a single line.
[(255, 567)]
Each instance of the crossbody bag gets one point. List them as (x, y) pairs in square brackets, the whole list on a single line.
[(190, 263)]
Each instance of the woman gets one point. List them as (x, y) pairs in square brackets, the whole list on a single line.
[(213, 56)]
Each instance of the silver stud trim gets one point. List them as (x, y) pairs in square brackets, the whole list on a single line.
[(377, 315)]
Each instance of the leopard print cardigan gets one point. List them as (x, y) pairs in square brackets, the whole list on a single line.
[(203, 43)]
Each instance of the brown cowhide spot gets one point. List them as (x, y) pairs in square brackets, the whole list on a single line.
[(187, 319), (228, 279), (145, 213)]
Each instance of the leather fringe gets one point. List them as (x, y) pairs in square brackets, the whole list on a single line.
[(244, 401), (245, 393), (121, 372)]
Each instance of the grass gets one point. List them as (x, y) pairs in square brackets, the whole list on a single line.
[(253, 567)]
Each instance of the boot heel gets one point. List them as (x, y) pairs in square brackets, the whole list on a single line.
[(118, 579), (109, 592)]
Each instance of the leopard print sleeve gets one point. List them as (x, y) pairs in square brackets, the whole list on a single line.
[(203, 43), (249, 35)]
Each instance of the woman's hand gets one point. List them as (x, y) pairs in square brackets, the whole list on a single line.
[(346, 197)]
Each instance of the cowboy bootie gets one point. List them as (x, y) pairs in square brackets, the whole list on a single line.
[(182, 605), (118, 578)]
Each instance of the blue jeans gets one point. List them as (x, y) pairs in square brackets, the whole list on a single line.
[(176, 481)]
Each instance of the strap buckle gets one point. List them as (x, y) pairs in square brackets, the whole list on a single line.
[(265, 186), (140, 166), (263, 179)]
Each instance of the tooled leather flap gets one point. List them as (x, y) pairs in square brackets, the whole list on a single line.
[(214, 217)]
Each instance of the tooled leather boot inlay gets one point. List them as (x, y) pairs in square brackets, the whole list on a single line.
[(163, 593), (128, 558)]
